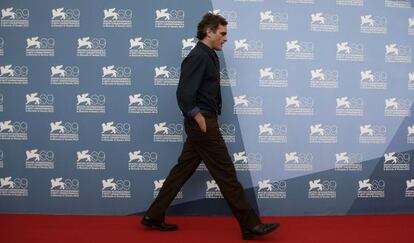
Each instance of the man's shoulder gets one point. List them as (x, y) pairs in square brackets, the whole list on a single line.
[(197, 54)]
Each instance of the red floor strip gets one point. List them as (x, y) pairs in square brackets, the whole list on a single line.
[(195, 229)]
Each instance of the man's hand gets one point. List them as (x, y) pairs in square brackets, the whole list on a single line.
[(201, 121)]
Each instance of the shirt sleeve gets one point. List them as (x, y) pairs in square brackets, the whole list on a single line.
[(192, 70)]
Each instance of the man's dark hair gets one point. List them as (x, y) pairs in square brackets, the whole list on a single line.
[(211, 21)]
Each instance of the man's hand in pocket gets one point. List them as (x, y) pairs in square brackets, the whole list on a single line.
[(201, 121)]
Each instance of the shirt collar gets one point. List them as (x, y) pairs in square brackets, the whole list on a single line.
[(206, 48)]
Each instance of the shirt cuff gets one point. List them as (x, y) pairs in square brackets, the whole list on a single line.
[(193, 112)]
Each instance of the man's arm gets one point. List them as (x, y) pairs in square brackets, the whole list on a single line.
[(192, 70)]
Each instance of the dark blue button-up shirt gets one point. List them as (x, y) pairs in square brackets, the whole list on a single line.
[(199, 85)]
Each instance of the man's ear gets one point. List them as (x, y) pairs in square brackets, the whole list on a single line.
[(209, 31)]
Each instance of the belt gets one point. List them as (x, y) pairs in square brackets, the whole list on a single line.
[(209, 113)]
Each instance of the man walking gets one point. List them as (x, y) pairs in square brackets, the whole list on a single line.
[(199, 99)]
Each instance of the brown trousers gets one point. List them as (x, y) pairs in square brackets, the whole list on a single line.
[(210, 148)]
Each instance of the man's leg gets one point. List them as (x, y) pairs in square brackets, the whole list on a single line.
[(179, 174), (213, 151)]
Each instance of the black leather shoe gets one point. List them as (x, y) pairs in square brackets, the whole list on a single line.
[(148, 222), (258, 230)]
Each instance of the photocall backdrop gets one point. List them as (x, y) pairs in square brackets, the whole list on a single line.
[(317, 110)]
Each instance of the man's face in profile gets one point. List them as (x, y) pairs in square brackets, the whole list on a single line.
[(218, 38)]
